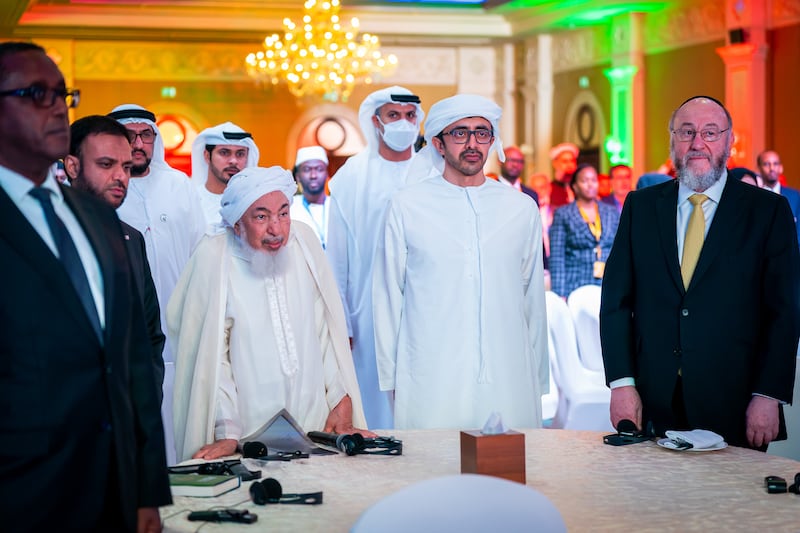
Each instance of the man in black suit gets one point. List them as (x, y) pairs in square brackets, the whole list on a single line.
[(710, 346), (99, 163), (81, 441)]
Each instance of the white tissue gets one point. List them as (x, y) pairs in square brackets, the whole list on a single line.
[(494, 425)]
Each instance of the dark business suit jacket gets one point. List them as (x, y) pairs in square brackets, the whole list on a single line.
[(793, 197), (733, 333), (572, 247), (75, 415), (147, 294)]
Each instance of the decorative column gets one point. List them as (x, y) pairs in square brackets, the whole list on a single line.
[(745, 59), (625, 142), (538, 100)]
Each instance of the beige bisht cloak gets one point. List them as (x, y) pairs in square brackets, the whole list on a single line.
[(196, 316)]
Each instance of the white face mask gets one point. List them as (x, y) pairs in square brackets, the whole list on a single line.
[(399, 135)]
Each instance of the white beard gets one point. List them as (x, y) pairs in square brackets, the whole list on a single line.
[(695, 181), (264, 264)]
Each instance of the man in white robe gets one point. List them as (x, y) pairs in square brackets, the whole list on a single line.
[(312, 205), (460, 324), (218, 153), (259, 326), (165, 208), (360, 191)]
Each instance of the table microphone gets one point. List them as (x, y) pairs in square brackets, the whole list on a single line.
[(349, 444)]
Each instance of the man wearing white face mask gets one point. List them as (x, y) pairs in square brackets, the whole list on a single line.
[(360, 191)]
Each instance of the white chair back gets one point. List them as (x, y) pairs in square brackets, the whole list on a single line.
[(464, 503), (584, 304)]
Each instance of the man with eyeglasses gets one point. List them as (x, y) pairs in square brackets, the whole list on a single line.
[(771, 168), (78, 394), (460, 325), (218, 153), (311, 205), (360, 190), (165, 207), (699, 319)]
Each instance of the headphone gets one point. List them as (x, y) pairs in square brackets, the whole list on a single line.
[(794, 488), (270, 491)]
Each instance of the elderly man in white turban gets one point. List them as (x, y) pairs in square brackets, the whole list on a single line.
[(164, 206), (259, 326), (312, 204), (218, 153), (460, 325), (360, 190)]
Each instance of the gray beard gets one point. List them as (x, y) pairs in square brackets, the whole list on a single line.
[(695, 181), (264, 264)]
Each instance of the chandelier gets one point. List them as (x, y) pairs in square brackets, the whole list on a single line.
[(320, 59)]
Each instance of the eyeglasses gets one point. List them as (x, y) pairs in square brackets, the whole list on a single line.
[(44, 97), (147, 136), (685, 135), (461, 135)]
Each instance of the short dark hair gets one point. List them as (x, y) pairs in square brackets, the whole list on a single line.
[(15, 47), (210, 148), (93, 125), (616, 167)]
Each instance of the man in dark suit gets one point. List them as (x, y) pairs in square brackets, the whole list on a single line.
[(99, 163), (771, 168), (81, 441), (512, 168), (710, 346)]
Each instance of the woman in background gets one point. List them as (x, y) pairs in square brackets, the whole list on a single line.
[(581, 236)]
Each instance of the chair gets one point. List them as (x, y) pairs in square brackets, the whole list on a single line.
[(584, 304), (463, 503), (584, 398)]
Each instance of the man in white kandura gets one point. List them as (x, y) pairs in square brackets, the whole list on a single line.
[(164, 206), (218, 153), (460, 324), (311, 205), (360, 190), (259, 326)]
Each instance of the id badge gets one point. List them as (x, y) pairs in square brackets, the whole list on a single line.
[(599, 269)]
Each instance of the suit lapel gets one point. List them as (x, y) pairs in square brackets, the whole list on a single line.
[(724, 219), (666, 217), (95, 232), (23, 238)]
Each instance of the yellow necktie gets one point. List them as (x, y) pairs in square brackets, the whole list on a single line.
[(695, 235)]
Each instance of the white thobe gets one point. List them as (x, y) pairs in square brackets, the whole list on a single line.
[(210, 203), (164, 206), (313, 214), (360, 192), (460, 324), (227, 370), (253, 384)]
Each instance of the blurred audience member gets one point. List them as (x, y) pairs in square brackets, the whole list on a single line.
[(564, 158), (620, 185), (651, 178), (771, 168), (746, 175), (603, 186), (581, 236), (511, 169)]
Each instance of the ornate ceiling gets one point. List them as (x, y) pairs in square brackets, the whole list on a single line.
[(395, 21)]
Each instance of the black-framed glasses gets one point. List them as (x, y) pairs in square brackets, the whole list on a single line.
[(45, 97), (147, 136), (708, 135), (461, 135)]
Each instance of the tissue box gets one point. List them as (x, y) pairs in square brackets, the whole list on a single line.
[(494, 455)]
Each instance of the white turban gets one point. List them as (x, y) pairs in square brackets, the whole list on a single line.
[(136, 114), (375, 100), (445, 112), (214, 136), (251, 184)]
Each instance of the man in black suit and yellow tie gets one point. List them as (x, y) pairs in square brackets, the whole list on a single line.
[(81, 441), (699, 318)]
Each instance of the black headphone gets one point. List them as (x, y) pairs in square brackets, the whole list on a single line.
[(270, 491), (259, 450), (794, 488)]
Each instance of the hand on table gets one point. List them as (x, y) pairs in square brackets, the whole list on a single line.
[(626, 404), (217, 449), (763, 421)]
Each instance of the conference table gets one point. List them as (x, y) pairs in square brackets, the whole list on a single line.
[(596, 487)]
